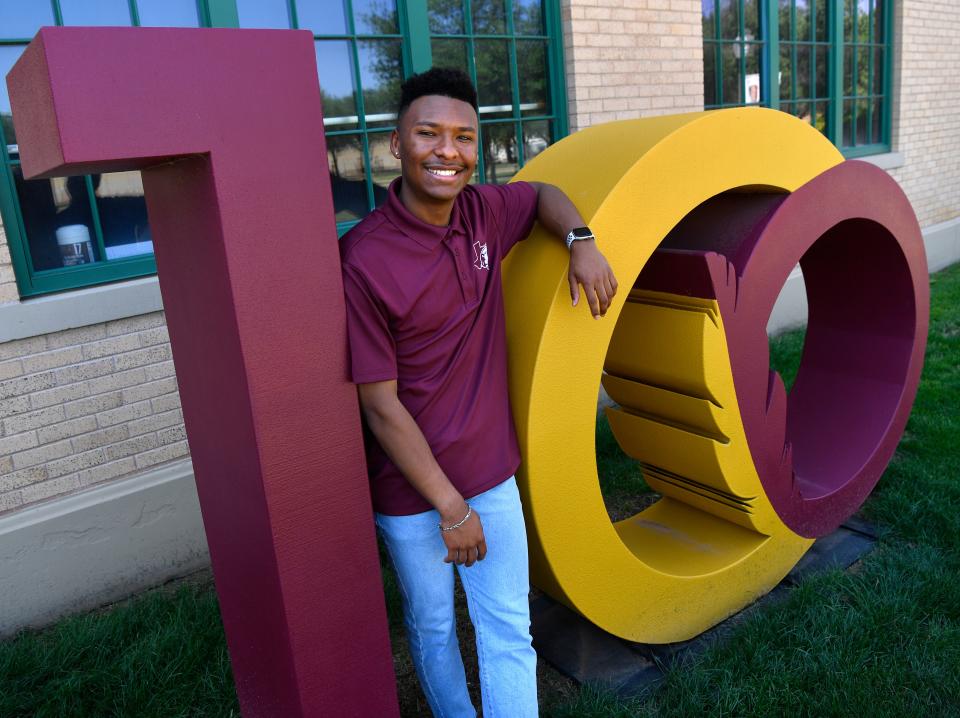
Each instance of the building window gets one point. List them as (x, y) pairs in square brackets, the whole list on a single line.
[(365, 48), (71, 232), (824, 61)]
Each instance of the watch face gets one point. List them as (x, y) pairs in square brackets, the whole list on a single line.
[(582, 233)]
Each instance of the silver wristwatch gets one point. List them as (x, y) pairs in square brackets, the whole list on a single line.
[(578, 234)]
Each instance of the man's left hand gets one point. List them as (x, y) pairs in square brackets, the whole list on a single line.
[(589, 269)]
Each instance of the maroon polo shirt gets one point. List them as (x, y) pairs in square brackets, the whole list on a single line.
[(425, 307)]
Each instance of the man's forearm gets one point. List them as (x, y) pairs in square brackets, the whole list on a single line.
[(403, 441), (555, 211)]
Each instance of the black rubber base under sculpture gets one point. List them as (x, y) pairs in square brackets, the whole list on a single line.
[(587, 654)]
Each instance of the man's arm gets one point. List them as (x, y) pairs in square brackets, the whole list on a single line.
[(588, 266), (403, 441)]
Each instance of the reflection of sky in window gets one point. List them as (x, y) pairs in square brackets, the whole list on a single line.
[(8, 56), (708, 7), (263, 14), (864, 6), (374, 16), (322, 17), (168, 13), (334, 67), (23, 19), (101, 12)]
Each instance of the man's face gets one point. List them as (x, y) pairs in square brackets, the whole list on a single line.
[(437, 143)]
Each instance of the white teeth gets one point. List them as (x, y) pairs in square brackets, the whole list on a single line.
[(442, 173)]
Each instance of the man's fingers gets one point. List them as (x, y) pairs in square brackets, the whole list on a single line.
[(602, 296), (482, 550), (574, 289)]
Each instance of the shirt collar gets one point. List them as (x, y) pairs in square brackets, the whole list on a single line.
[(427, 235)]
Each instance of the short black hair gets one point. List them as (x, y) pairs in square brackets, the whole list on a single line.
[(445, 81)]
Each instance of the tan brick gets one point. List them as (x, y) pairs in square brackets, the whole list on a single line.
[(149, 390), (117, 380), (111, 346), (6, 464), (10, 500), (155, 422), (24, 477), (165, 402), (42, 454), (92, 404), (18, 442), (134, 324), (164, 453), (52, 359), (22, 347), (157, 335), (159, 371), (21, 385), (121, 414), (107, 471), (46, 489), (79, 335), (81, 372), (171, 435), (66, 429), (136, 445), (110, 435), (76, 462), (150, 355), (33, 419), (58, 395), (11, 368), (16, 405)]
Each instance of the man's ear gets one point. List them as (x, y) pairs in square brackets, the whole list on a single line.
[(395, 144)]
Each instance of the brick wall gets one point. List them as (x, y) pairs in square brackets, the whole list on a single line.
[(86, 405), (631, 58), (8, 283), (925, 128)]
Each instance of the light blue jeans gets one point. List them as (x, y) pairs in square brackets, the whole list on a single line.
[(497, 591)]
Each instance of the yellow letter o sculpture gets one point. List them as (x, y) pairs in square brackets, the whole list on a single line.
[(714, 542)]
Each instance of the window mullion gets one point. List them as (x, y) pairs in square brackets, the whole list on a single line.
[(57, 13), (95, 215), (835, 72), (415, 28), (770, 56)]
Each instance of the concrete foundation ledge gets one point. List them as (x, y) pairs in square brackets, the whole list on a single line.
[(99, 546)]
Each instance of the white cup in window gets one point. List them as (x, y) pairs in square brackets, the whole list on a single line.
[(75, 246)]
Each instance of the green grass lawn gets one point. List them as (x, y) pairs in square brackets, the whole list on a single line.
[(882, 639)]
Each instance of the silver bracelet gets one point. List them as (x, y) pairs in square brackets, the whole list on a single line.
[(459, 523)]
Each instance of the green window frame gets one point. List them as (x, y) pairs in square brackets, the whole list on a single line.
[(832, 60), (32, 282)]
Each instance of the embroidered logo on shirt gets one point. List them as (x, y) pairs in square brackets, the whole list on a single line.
[(481, 260)]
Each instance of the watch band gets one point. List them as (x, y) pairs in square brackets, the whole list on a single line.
[(577, 234)]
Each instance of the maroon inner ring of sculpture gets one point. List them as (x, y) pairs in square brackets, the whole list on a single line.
[(819, 451)]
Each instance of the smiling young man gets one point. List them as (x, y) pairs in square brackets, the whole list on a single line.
[(428, 353)]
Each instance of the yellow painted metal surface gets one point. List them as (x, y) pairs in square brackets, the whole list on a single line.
[(713, 543)]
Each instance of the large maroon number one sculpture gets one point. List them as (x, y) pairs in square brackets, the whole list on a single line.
[(226, 126)]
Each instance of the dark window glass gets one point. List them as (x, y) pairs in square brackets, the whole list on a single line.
[(9, 54), (384, 167), (56, 206), (263, 14), (446, 17), (337, 84), (709, 75), (21, 20), (375, 17), (803, 27), (123, 214), (493, 79), (381, 72), (168, 13), (101, 12), (489, 17), (708, 8), (532, 73), (322, 17), (528, 17), (347, 178), (500, 152), (450, 53), (729, 19), (751, 19), (822, 14), (537, 136)]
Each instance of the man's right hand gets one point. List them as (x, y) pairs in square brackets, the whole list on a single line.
[(465, 544)]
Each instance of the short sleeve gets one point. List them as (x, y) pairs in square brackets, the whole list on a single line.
[(514, 209), (373, 354)]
